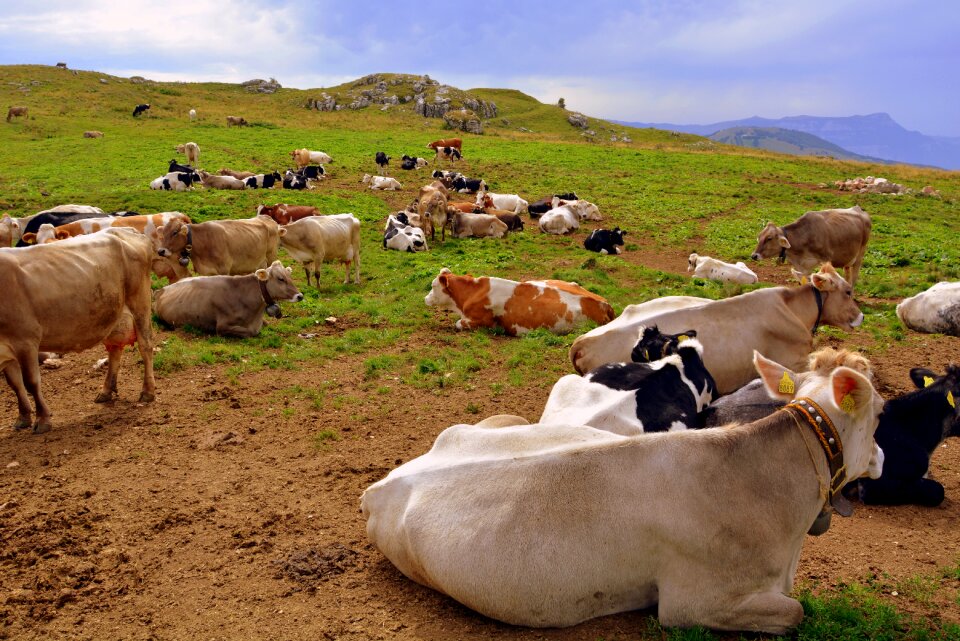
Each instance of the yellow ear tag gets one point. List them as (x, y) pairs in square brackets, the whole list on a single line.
[(803, 281), (848, 405), (646, 355), (950, 400), (927, 381), (786, 384), (682, 337)]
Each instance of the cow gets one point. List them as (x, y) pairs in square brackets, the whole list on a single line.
[(780, 321), (508, 218), (559, 220), (265, 181), (67, 297), (192, 151), (93, 134), (837, 236), (285, 214), (468, 185), (293, 181), (605, 241), (56, 216), (583, 209), (446, 177), (476, 225), (456, 143), (139, 109), (192, 114), (633, 398), (174, 166), (412, 162), (399, 234), (221, 182), (312, 172), (317, 239), (545, 204), (517, 307), (236, 121), (550, 525), (17, 112), (465, 207), (10, 230), (382, 161), (304, 157), (447, 153), (934, 311), (713, 269), (227, 305), (508, 202), (235, 174), (381, 182), (176, 181), (432, 207), (227, 247)]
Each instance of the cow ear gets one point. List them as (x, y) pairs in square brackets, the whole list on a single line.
[(823, 282), (29, 238), (261, 274), (852, 392), (783, 241), (282, 231), (62, 234), (922, 377), (780, 382)]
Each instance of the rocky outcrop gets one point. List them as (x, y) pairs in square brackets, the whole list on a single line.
[(261, 86), (435, 109), (325, 102), (578, 120), (482, 107), (465, 120)]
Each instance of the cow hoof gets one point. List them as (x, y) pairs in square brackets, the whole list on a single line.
[(21, 423), (41, 426), (147, 397), (103, 397)]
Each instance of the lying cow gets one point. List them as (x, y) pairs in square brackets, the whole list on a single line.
[(934, 311), (174, 166), (614, 525), (446, 177), (633, 398), (220, 182), (713, 269), (468, 185), (285, 214), (68, 297), (399, 234), (779, 320), (605, 241), (476, 226), (60, 215), (176, 181), (293, 181), (540, 207), (509, 202), (228, 247), (263, 181), (381, 182), (304, 157), (227, 305), (837, 236), (556, 305), (559, 220), (236, 174), (317, 239)]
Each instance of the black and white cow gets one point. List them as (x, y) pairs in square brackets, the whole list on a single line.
[(382, 161), (605, 241), (139, 109), (293, 180), (177, 181), (468, 185), (449, 153), (654, 344), (175, 166), (412, 162), (911, 428), (632, 398), (399, 234), (312, 172), (265, 181), (545, 204)]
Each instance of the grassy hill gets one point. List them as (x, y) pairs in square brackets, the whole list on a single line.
[(786, 141)]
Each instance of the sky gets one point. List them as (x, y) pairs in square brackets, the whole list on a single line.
[(677, 61)]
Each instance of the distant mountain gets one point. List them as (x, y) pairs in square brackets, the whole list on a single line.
[(874, 136), (785, 141)]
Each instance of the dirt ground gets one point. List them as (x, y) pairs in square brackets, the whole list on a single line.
[(213, 513)]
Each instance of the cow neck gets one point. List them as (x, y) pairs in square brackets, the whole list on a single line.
[(805, 410), (185, 252), (267, 298), (819, 298)]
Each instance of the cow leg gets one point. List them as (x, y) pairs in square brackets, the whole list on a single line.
[(31, 370), (306, 271), (109, 390), (15, 379), (145, 347), (356, 265), (771, 612)]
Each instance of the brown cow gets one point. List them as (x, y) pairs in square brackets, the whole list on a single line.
[(476, 226), (286, 214), (837, 236), (223, 246), (466, 208), (16, 111), (67, 297), (432, 208), (236, 121), (241, 175), (456, 143)]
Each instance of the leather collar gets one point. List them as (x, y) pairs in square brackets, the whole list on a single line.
[(783, 255), (819, 297), (829, 439), (267, 298), (185, 252)]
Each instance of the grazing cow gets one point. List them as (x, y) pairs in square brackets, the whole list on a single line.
[(176, 181), (265, 181), (713, 269), (221, 182), (382, 161), (911, 428), (381, 182), (432, 208), (399, 234), (605, 241), (236, 174), (175, 166), (193, 114), (508, 202), (10, 230), (139, 109), (192, 151), (559, 220), (304, 157), (19, 112), (448, 153), (556, 305), (285, 214), (93, 134), (226, 247), (934, 311), (633, 398), (838, 236), (468, 185), (456, 143), (780, 321), (67, 297), (476, 225), (227, 305), (545, 204), (317, 239), (236, 121), (551, 525), (293, 181)]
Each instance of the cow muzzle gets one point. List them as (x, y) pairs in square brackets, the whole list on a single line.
[(163, 252), (755, 256)]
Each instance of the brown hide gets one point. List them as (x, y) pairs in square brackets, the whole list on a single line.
[(228, 247)]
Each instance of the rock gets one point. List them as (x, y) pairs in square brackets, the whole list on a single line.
[(12, 465), (482, 107), (613, 138), (360, 102), (464, 120), (65, 596), (137, 80), (930, 191), (258, 85), (577, 120), (53, 363), (61, 65), (103, 81), (626, 139), (324, 103), (525, 130)]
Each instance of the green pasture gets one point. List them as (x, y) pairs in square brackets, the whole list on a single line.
[(679, 193)]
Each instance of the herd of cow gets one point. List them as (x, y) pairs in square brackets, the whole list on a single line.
[(582, 513)]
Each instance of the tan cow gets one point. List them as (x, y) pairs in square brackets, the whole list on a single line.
[(16, 112), (241, 175), (192, 151), (432, 208), (67, 297), (221, 182), (222, 246), (304, 157), (317, 239), (227, 305), (476, 225), (778, 321), (837, 236), (93, 134), (236, 121), (517, 307), (10, 228), (550, 525)]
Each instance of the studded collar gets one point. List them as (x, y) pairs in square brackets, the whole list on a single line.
[(828, 437)]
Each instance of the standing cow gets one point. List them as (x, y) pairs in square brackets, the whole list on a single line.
[(222, 246), (317, 239)]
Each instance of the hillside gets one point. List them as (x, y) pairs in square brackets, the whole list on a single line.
[(785, 141)]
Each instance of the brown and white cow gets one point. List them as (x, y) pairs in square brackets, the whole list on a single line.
[(517, 307), (456, 143), (779, 321), (240, 175), (68, 297), (16, 112), (286, 214), (837, 236), (227, 305), (317, 239), (222, 246)]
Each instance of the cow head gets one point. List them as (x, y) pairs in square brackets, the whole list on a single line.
[(654, 345), (279, 283), (770, 242), (9, 230), (692, 260), (839, 307), (439, 295), (173, 238), (946, 392)]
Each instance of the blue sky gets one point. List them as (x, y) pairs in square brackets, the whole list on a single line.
[(682, 61)]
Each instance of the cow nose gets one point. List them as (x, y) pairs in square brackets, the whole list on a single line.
[(755, 256), (298, 297), (163, 252)]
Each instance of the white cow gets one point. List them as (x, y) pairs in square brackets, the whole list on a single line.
[(507, 202), (400, 235), (714, 269), (936, 310), (559, 220), (381, 182)]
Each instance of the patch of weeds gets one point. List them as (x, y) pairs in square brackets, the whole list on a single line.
[(376, 364), (287, 412), (323, 439), (472, 409)]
